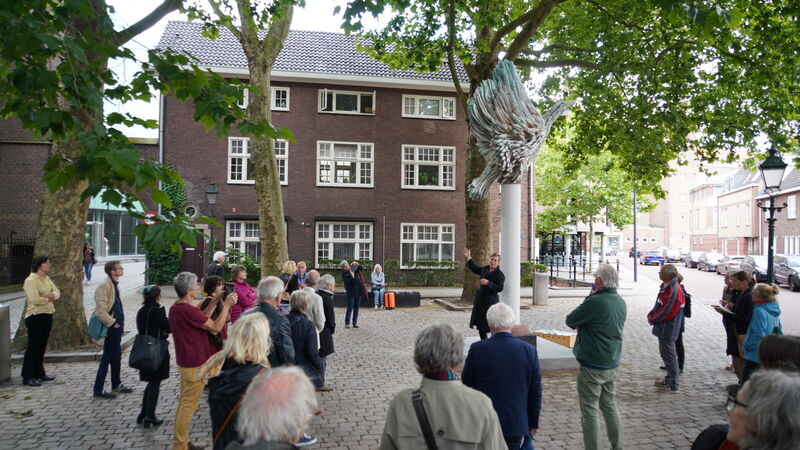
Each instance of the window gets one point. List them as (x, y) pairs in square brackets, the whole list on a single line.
[(627, 239), (240, 168), (428, 167), (344, 164), (279, 98), (683, 236), (346, 102), (243, 236), (791, 207), (683, 217), (429, 107), (344, 241), (652, 239), (426, 242), (748, 214)]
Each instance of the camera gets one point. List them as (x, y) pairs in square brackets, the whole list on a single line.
[(229, 288)]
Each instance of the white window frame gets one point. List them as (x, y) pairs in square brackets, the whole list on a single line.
[(791, 207), (282, 160), (443, 114), (361, 164), (322, 102), (240, 239), (416, 162), (272, 97), (329, 240), (414, 240)]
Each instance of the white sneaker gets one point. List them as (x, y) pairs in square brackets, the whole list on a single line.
[(376, 306)]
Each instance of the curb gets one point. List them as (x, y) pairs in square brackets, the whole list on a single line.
[(127, 341)]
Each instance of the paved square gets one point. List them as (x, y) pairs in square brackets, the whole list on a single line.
[(371, 365)]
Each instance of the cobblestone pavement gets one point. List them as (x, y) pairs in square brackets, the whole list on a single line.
[(371, 365)]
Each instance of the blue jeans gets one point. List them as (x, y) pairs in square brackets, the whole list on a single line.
[(87, 269), (353, 302), (378, 293), (112, 355)]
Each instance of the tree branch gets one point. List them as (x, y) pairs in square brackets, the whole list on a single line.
[(535, 21), (451, 49), (560, 63), (123, 36), (616, 19), (229, 25)]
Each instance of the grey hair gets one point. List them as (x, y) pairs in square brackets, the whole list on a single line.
[(342, 264), (183, 282), (270, 288), (326, 281), (278, 406), (312, 278), (500, 316), (438, 348), (773, 411), (299, 301), (608, 275), (218, 255), (670, 270)]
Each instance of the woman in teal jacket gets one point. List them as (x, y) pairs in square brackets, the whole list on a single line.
[(765, 320)]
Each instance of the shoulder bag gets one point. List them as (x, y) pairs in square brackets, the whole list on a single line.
[(148, 352), (97, 329), (422, 417)]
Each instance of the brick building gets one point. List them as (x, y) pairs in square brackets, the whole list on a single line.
[(376, 171), (787, 225), (738, 216)]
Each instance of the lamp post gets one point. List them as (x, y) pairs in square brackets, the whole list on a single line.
[(211, 196), (772, 174)]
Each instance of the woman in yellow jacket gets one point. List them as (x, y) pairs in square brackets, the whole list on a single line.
[(41, 293)]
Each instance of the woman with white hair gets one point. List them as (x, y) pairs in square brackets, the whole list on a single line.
[(230, 371), (667, 318), (304, 337), (461, 416), (766, 412), (378, 285)]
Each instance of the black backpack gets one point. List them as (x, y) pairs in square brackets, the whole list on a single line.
[(687, 308)]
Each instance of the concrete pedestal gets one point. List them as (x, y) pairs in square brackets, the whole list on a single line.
[(541, 285), (510, 229), (551, 355)]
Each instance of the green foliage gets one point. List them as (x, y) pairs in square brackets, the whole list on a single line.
[(162, 266), (526, 271), (54, 78), (234, 256), (428, 273)]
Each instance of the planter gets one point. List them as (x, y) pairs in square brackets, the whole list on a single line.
[(541, 284)]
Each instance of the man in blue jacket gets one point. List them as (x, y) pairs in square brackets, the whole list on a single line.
[(507, 370)]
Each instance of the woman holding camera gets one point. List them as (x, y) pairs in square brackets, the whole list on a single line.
[(214, 287)]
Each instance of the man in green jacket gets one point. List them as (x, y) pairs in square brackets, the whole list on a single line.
[(599, 321)]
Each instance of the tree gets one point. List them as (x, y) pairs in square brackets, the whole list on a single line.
[(261, 33), (54, 78), (598, 189), (650, 76)]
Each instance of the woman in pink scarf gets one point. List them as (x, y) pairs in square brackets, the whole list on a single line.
[(247, 296)]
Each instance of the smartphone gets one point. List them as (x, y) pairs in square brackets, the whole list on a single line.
[(229, 288)]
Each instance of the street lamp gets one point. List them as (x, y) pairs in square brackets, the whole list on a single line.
[(211, 196), (772, 174)]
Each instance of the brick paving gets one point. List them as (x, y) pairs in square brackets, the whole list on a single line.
[(371, 365)]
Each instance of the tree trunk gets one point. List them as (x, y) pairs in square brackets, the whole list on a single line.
[(478, 213), (59, 235)]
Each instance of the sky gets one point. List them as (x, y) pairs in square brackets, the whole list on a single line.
[(316, 16)]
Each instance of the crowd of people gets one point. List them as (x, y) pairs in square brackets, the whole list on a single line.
[(261, 354)]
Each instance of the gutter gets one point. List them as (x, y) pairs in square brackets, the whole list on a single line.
[(160, 137)]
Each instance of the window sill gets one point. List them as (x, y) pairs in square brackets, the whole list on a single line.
[(346, 113), (429, 118)]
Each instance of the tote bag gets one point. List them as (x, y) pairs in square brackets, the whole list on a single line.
[(148, 352)]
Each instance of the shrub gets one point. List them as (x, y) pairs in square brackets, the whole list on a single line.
[(234, 256), (162, 266)]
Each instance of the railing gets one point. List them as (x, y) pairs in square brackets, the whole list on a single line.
[(570, 265), (16, 254)]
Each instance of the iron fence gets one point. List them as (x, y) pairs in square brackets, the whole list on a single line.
[(569, 266)]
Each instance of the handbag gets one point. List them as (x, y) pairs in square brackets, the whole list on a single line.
[(97, 329), (214, 339), (148, 352), (422, 417)]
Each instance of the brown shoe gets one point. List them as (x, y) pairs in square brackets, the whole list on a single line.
[(324, 388), (666, 389), (660, 383), (196, 447)]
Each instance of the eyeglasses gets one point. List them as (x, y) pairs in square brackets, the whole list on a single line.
[(733, 403)]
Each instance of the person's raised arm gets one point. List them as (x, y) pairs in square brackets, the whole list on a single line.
[(215, 326)]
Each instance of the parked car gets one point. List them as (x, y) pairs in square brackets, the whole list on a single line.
[(672, 256), (787, 271), (630, 253), (652, 257), (756, 266), (707, 262), (690, 260), (729, 262)]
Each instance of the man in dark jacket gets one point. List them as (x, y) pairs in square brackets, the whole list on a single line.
[(354, 285), (326, 286), (269, 300), (492, 281), (216, 267), (507, 370), (598, 348)]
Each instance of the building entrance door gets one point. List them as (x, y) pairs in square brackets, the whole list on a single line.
[(192, 260)]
